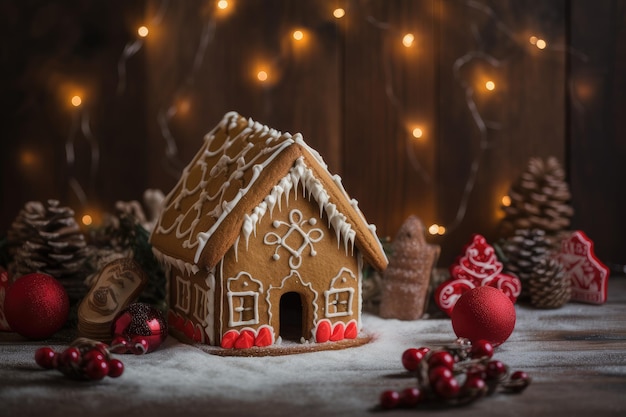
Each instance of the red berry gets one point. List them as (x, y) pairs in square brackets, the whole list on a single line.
[(495, 369), (389, 399), (96, 368), (447, 387), (475, 385), (481, 349), (119, 344), (94, 354), (410, 397), (116, 368), (439, 372), (44, 357), (70, 357), (477, 371), (519, 381), (441, 358), (411, 359), (519, 375)]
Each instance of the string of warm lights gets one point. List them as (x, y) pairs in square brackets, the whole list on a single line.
[(81, 123), (470, 91), (265, 74)]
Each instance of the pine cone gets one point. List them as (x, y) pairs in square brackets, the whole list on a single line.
[(549, 287), (47, 239), (539, 199), (523, 251)]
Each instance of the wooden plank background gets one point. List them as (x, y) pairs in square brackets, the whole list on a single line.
[(351, 89)]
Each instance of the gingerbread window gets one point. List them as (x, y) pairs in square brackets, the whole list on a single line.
[(340, 295), (200, 307), (244, 308), (339, 302), (183, 294)]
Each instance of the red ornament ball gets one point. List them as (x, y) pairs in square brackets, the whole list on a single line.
[(141, 326), (36, 306), (484, 313)]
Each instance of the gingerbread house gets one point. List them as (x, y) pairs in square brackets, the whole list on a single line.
[(261, 244)]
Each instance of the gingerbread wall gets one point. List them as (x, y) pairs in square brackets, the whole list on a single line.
[(293, 250)]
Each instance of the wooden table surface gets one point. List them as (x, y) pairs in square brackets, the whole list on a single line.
[(576, 356)]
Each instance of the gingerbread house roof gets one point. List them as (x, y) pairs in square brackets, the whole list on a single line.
[(240, 172)]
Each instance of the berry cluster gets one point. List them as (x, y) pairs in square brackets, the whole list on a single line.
[(456, 374), (84, 359)]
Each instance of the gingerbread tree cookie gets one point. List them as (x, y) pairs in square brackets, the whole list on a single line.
[(405, 281)]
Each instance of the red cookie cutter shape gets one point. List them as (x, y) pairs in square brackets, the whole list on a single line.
[(589, 277), (4, 286), (477, 267)]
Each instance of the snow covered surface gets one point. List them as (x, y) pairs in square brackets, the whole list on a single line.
[(576, 356)]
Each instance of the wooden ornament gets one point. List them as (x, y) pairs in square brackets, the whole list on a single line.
[(405, 281), (118, 284)]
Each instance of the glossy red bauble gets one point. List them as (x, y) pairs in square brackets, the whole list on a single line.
[(36, 306), (484, 313), (142, 326)]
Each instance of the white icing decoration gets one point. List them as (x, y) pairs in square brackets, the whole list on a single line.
[(295, 225), (359, 300), (176, 262), (183, 294), (275, 142), (294, 275), (246, 279), (210, 318), (311, 188), (190, 237), (333, 296)]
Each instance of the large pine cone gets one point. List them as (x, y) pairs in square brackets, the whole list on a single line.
[(549, 287), (47, 239), (523, 251), (540, 199)]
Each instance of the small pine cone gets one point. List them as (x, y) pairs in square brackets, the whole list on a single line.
[(522, 252), (540, 198), (47, 239), (549, 287)]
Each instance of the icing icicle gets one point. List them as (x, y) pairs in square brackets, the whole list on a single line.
[(312, 188)]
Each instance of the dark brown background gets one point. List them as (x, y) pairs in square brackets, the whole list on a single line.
[(352, 91)]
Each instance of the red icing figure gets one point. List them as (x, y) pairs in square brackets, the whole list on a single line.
[(477, 267), (589, 277)]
